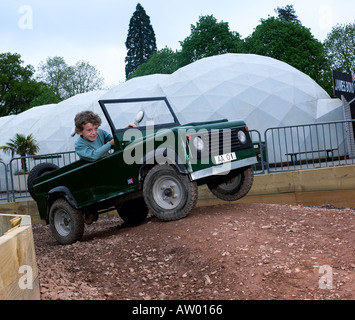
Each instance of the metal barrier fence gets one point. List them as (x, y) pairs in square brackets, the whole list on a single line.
[(310, 146), (283, 149), (18, 169)]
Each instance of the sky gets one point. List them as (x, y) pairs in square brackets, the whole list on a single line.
[(96, 30)]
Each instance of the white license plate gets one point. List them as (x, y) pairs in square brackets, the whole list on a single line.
[(228, 157)]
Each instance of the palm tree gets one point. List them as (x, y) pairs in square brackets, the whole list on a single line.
[(22, 146)]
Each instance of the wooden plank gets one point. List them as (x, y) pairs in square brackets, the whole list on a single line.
[(18, 266)]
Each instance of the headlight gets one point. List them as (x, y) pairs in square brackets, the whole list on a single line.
[(242, 137), (198, 143)]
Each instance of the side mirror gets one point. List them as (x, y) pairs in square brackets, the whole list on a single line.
[(139, 116)]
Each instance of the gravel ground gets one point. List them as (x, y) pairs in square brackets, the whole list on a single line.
[(226, 252)]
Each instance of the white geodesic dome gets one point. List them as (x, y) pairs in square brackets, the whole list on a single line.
[(262, 91)]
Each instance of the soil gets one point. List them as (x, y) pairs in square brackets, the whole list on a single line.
[(232, 251)]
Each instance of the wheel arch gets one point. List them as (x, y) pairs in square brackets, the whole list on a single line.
[(151, 158), (56, 193)]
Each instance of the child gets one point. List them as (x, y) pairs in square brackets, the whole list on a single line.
[(93, 142)]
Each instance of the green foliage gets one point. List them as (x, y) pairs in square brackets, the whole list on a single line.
[(141, 42), (66, 81), (288, 13), (82, 77), (164, 61), (283, 38), (47, 97), (57, 81), (17, 88), (340, 48), (208, 38), (54, 72)]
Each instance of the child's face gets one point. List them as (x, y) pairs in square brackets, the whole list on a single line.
[(90, 132)]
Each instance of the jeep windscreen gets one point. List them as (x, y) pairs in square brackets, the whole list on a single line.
[(143, 113)]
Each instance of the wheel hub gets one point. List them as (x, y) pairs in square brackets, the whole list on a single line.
[(232, 183), (62, 223), (167, 192)]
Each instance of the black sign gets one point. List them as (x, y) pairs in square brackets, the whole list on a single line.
[(343, 85)]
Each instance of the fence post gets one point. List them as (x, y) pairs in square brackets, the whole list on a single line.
[(267, 151), (6, 181), (262, 149), (12, 180)]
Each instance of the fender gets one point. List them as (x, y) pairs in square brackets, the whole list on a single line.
[(61, 191), (152, 158)]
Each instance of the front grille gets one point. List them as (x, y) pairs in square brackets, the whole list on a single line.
[(223, 141), (218, 141)]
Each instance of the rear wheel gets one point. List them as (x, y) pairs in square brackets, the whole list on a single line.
[(168, 194), (37, 171), (66, 223)]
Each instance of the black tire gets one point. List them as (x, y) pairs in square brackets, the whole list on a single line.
[(37, 171), (133, 212), (234, 186), (66, 223), (168, 194)]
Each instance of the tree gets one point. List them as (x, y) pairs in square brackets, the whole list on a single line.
[(81, 78), (141, 42), (66, 81), (22, 146), (208, 38), (54, 72), (17, 88), (293, 44), (339, 46), (164, 61), (288, 13), (47, 97)]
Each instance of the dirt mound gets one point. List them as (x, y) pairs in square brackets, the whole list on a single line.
[(240, 251)]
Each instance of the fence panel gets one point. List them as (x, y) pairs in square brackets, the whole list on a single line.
[(4, 184), (20, 167), (310, 146)]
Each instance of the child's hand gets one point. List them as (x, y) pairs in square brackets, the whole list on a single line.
[(130, 125)]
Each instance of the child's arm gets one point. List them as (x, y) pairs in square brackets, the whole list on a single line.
[(88, 153), (107, 136)]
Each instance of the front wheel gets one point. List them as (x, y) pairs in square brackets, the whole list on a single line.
[(169, 195), (66, 223), (234, 186)]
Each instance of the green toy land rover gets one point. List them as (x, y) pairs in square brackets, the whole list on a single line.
[(156, 166)]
